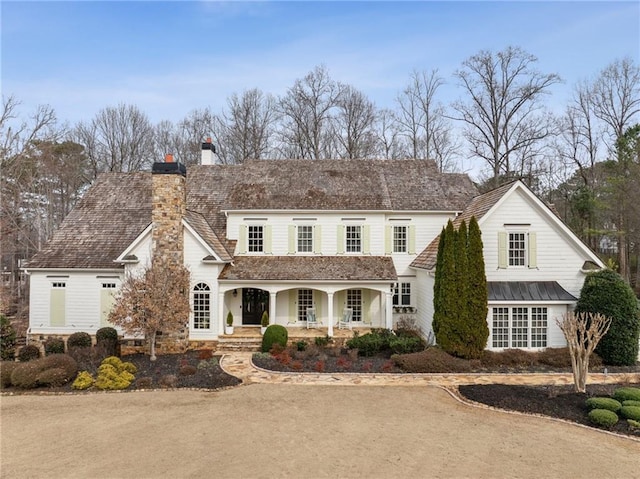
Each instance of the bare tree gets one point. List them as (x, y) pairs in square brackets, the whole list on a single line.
[(354, 124), (196, 127), (306, 111), (389, 136), (583, 332), (501, 115), (157, 300), (118, 139), (410, 116), (247, 126)]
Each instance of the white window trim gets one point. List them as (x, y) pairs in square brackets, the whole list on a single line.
[(297, 239), (510, 307), (361, 228)]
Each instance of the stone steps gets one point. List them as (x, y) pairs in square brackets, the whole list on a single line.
[(231, 344)]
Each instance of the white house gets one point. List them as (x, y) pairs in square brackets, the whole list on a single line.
[(286, 235)]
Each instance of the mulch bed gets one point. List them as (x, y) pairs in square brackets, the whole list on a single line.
[(555, 401), (326, 363)]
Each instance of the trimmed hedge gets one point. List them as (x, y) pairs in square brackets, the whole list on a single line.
[(603, 417), (624, 394), (39, 372), (631, 402), (6, 369), (274, 334), (431, 360), (609, 404)]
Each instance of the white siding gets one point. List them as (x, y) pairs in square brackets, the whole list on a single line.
[(424, 302)]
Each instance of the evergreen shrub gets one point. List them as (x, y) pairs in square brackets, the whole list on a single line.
[(605, 292), (603, 403), (79, 340), (7, 339), (54, 346), (630, 412), (627, 393), (6, 369), (34, 373), (431, 360), (107, 341), (83, 381), (28, 353), (274, 334), (603, 417), (406, 344), (631, 402)]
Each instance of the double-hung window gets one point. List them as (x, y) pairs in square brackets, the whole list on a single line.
[(201, 306), (517, 249), (353, 239), (305, 239), (255, 238), (399, 239)]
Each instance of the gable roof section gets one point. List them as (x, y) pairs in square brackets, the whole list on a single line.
[(206, 233), (110, 216), (310, 268), (482, 205)]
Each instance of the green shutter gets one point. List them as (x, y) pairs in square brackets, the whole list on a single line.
[(366, 306), (411, 231), (107, 298), (388, 239), (292, 239), (317, 303), (366, 240), (242, 239), (340, 240), (317, 239), (267, 239), (533, 251), (502, 249), (57, 306)]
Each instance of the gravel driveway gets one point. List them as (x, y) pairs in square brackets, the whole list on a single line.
[(268, 431)]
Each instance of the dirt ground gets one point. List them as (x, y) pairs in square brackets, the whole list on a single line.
[(265, 431)]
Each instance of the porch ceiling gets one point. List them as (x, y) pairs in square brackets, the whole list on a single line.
[(310, 268)]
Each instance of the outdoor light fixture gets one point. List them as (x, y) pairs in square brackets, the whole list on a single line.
[(235, 293)]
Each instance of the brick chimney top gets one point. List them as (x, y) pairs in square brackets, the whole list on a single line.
[(168, 167)]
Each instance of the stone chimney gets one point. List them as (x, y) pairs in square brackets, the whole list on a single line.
[(208, 156), (169, 202)]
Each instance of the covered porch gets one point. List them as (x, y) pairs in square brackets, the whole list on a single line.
[(288, 287)]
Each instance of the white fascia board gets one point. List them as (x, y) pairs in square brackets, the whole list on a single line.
[(134, 244), (117, 270), (340, 212)]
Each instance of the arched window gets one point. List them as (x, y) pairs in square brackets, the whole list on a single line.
[(201, 306)]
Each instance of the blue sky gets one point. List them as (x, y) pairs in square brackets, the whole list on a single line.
[(171, 57)]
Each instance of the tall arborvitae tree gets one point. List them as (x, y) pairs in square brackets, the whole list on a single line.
[(437, 309), (448, 291), (477, 299), (458, 330)]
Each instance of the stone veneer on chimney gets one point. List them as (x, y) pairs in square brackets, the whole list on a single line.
[(168, 209)]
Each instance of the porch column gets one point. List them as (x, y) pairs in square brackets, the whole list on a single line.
[(221, 318), (388, 310), (330, 315), (272, 308)]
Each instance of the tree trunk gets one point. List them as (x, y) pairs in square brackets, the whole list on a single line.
[(152, 346)]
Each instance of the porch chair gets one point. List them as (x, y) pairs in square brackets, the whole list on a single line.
[(312, 319), (345, 320)]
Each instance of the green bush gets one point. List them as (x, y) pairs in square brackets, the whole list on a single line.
[(431, 360), (39, 372), (603, 417), (406, 344), (630, 412), (631, 402), (603, 403), (6, 368), (624, 394), (370, 344), (7, 339), (28, 353), (274, 334), (83, 381), (633, 424), (605, 292), (107, 341), (79, 340), (54, 346)]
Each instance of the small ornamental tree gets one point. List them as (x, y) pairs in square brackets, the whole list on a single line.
[(582, 331), (157, 300), (605, 292)]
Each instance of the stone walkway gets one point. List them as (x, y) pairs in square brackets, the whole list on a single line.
[(239, 365)]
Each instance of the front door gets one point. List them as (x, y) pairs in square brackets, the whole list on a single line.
[(254, 303)]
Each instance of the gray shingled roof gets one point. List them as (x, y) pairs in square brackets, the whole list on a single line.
[(527, 291), (117, 208), (478, 207), (310, 268)]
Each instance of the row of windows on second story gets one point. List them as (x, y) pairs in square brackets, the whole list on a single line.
[(307, 239)]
